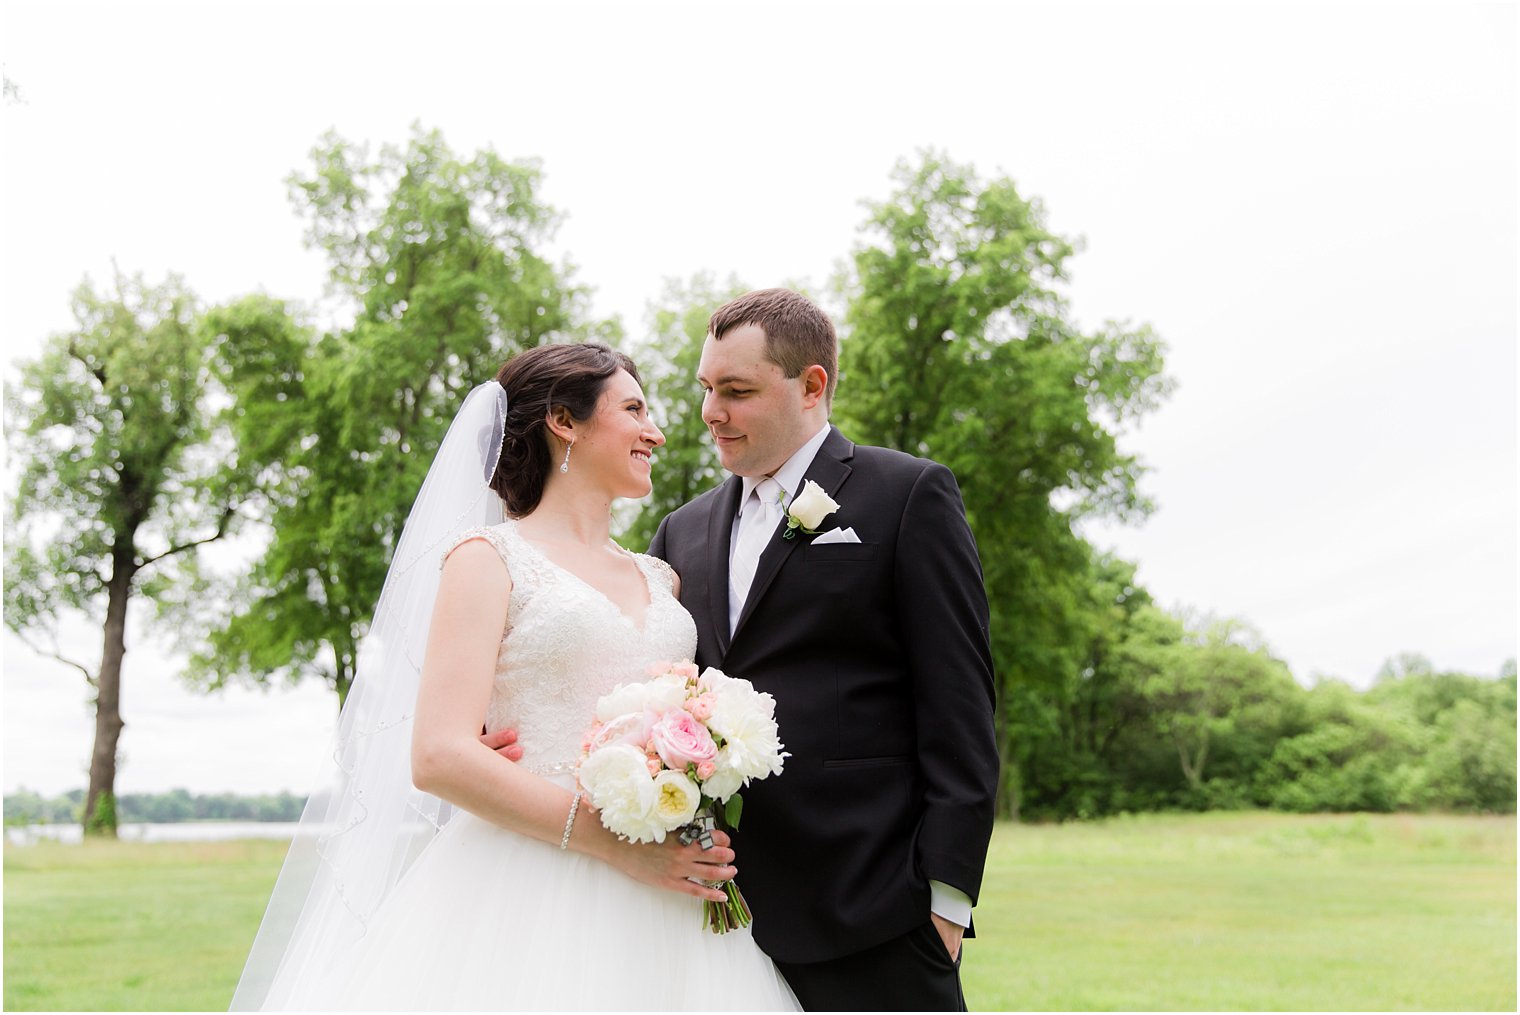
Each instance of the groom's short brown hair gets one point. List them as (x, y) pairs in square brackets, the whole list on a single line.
[(797, 333)]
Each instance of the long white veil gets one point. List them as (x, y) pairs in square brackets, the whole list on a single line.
[(365, 823)]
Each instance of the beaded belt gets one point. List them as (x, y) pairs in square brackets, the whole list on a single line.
[(557, 768)]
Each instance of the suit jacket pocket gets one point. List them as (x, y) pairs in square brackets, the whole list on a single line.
[(890, 759), (830, 553)]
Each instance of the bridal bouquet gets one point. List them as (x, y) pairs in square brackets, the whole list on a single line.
[(664, 755)]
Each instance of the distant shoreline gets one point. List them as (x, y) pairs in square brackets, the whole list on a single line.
[(168, 831), (25, 807)]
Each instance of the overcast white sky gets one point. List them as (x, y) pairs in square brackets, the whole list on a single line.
[(1315, 206)]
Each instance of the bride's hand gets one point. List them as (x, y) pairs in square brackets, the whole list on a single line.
[(671, 865)]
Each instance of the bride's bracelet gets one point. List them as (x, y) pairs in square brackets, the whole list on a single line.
[(575, 803)]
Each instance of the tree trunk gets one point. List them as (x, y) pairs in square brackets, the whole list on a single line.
[(1192, 768), (100, 803), (1009, 791), (343, 674)]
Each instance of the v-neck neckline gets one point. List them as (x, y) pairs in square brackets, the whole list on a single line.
[(639, 625)]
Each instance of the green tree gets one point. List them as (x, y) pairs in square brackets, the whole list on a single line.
[(125, 470), (1465, 734), (959, 346), (1350, 756), (667, 358), (1078, 746), (1220, 687), (1471, 765), (441, 261), (23, 807)]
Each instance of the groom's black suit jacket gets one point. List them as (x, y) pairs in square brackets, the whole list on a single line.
[(877, 654)]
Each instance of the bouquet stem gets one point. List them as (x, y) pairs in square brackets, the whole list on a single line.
[(723, 917)]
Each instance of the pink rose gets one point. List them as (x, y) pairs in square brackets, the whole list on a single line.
[(658, 669), (654, 765), (701, 707), (705, 769), (681, 740), (687, 670)]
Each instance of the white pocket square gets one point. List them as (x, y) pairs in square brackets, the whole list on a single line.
[(836, 536)]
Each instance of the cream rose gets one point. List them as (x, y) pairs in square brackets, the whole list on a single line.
[(676, 798), (812, 506)]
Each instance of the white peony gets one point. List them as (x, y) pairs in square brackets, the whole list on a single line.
[(631, 728), (621, 700), (735, 702), (616, 780), (676, 798), (665, 693), (712, 678), (608, 770), (635, 825), (725, 780), (752, 746)]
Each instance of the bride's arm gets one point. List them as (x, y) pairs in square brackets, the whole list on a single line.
[(449, 761)]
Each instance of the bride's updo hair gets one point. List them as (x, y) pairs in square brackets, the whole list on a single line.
[(537, 382)]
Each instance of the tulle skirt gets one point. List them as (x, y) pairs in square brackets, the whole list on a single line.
[(490, 920)]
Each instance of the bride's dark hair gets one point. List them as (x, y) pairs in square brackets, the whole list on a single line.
[(538, 381)]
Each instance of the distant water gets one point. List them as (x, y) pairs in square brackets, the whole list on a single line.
[(183, 831)]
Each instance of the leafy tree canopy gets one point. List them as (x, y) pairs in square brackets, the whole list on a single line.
[(442, 261)]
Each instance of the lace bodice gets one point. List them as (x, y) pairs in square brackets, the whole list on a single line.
[(566, 644)]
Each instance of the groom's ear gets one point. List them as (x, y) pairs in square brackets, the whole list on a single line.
[(815, 385)]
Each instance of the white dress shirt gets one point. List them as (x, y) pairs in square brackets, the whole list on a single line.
[(789, 477)]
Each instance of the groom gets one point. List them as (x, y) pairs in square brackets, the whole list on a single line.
[(863, 859)]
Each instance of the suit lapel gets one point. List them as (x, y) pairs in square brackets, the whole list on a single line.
[(830, 468), (720, 526)]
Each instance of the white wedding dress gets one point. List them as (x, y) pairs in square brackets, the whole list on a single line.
[(487, 919)]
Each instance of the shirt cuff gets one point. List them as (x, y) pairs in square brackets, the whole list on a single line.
[(950, 903)]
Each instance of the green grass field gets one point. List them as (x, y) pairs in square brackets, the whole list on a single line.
[(1216, 911)]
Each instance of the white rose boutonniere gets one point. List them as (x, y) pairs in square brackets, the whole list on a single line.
[(808, 510)]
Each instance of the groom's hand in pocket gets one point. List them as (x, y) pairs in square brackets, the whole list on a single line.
[(950, 933), (503, 742)]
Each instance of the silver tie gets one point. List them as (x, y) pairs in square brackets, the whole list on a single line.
[(757, 524)]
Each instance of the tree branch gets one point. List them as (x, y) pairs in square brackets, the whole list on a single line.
[(221, 530), (88, 573), (54, 654), (98, 373)]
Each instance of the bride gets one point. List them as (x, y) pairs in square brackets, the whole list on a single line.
[(432, 873)]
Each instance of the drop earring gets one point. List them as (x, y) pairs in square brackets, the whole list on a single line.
[(565, 465)]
